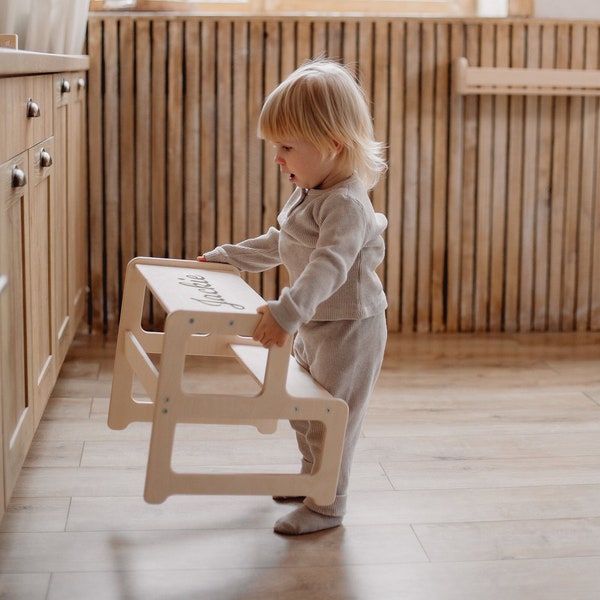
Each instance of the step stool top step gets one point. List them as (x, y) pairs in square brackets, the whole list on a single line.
[(200, 289)]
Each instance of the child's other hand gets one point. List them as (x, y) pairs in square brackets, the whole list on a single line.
[(268, 332), (200, 259)]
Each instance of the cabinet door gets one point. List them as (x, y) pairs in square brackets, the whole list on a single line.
[(62, 311), (71, 205), (77, 200), (42, 365), (3, 284), (17, 410)]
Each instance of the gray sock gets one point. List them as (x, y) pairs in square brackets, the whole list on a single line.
[(303, 520)]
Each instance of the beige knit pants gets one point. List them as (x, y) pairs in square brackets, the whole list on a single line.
[(345, 358)]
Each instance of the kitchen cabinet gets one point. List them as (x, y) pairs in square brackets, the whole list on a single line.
[(28, 351), (43, 245), (39, 241)]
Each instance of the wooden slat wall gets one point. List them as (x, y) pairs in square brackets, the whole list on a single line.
[(493, 201)]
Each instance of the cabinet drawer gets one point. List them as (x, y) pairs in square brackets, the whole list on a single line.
[(12, 186), (41, 160), (69, 87), (19, 98)]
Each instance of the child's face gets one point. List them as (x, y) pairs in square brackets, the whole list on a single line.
[(306, 166)]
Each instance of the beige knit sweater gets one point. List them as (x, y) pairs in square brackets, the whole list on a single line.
[(330, 241)]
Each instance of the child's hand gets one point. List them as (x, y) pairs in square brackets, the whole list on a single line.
[(200, 259), (268, 332)]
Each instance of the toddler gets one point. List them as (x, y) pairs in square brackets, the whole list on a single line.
[(329, 239)]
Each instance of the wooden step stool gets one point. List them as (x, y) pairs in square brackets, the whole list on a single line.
[(211, 311)]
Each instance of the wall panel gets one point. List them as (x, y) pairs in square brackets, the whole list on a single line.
[(492, 201)]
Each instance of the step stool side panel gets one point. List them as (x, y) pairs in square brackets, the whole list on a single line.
[(123, 408)]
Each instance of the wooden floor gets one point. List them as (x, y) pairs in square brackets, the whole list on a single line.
[(477, 478)]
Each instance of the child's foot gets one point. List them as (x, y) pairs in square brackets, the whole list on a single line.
[(289, 499), (303, 520)]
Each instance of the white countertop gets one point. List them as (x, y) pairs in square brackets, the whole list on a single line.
[(21, 62)]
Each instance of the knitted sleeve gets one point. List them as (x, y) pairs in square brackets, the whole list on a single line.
[(254, 255), (342, 230)]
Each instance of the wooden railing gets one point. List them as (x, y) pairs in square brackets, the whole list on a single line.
[(493, 201)]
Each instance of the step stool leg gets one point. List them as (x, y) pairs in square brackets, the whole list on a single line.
[(169, 409), (123, 409), (327, 472)]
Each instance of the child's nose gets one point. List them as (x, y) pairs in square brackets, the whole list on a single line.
[(278, 160)]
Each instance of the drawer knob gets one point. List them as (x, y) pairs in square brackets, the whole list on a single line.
[(65, 86), (33, 110), (45, 158), (18, 177), (81, 83)]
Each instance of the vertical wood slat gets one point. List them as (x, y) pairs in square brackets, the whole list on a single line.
[(143, 140), (175, 173), (111, 240), (544, 191), (241, 132), (381, 63), (559, 162), (492, 202), (288, 64), (411, 174), (498, 188), (394, 181), (514, 211), (453, 253), (98, 316), (208, 134), (255, 99), (483, 168), (588, 176), (593, 304), (158, 197), (425, 178), (270, 174), (467, 203), (191, 147), (439, 175), (224, 166), (158, 132), (572, 188), (126, 153), (530, 150)]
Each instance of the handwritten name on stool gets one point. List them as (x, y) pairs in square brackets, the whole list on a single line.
[(209, 295)]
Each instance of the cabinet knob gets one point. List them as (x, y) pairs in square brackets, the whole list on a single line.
[(33, 110), (18, 177), (81, 83), (65, 86), (45, 158)]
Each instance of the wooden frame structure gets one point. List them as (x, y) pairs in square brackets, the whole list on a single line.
[(211, 311), (493, 201), (525, 81)]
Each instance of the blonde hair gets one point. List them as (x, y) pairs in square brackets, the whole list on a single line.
[(322, 103)]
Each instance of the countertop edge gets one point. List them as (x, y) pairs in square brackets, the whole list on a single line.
[(21, 62)]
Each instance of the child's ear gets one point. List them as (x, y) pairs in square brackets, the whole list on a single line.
[(338, 146)]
